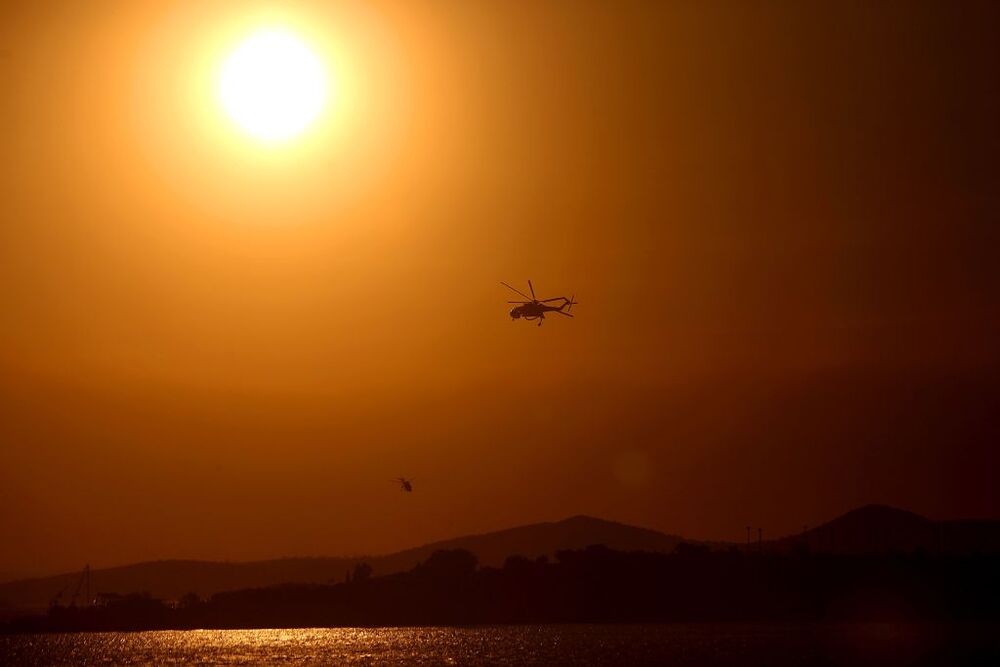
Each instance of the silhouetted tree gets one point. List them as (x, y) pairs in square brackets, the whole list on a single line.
[(687, 550), (362, 572), (450, 563), (517, 564), (189, 600)]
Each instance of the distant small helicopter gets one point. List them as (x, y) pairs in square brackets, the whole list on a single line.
[(534, 308), (404, 484)]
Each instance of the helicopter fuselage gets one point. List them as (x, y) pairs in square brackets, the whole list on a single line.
[(532, 311)]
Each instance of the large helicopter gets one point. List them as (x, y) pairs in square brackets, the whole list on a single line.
[(534, 308)]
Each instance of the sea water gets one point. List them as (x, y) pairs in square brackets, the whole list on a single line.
[(663, 644)]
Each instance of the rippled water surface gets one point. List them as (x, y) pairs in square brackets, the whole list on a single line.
[(543, 645)]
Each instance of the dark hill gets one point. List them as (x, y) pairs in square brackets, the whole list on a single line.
[(540, 539), (170, 579), (882, 529), (873, 528)]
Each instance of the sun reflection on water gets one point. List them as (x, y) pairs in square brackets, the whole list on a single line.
[(689, 644)]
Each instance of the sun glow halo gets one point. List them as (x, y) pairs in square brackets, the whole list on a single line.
[(273, 86)]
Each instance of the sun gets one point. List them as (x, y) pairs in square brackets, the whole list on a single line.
[(273, 86)]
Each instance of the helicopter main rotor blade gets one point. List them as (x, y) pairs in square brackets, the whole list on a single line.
[(555, 298), (518, 302), (516, 290), (561, 313), (532, 288)]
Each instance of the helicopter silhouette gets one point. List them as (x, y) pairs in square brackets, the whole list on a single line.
[(534, 308), (404, 484)]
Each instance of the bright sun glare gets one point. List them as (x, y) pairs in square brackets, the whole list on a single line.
[(273, 86)]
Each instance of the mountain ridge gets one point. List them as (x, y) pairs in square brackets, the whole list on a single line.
[(867, 529), (877, 528), (172, 578)]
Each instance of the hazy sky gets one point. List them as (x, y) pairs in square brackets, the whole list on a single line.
[(781, 224)]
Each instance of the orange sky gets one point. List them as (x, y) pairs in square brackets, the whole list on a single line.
[(780, 223)]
